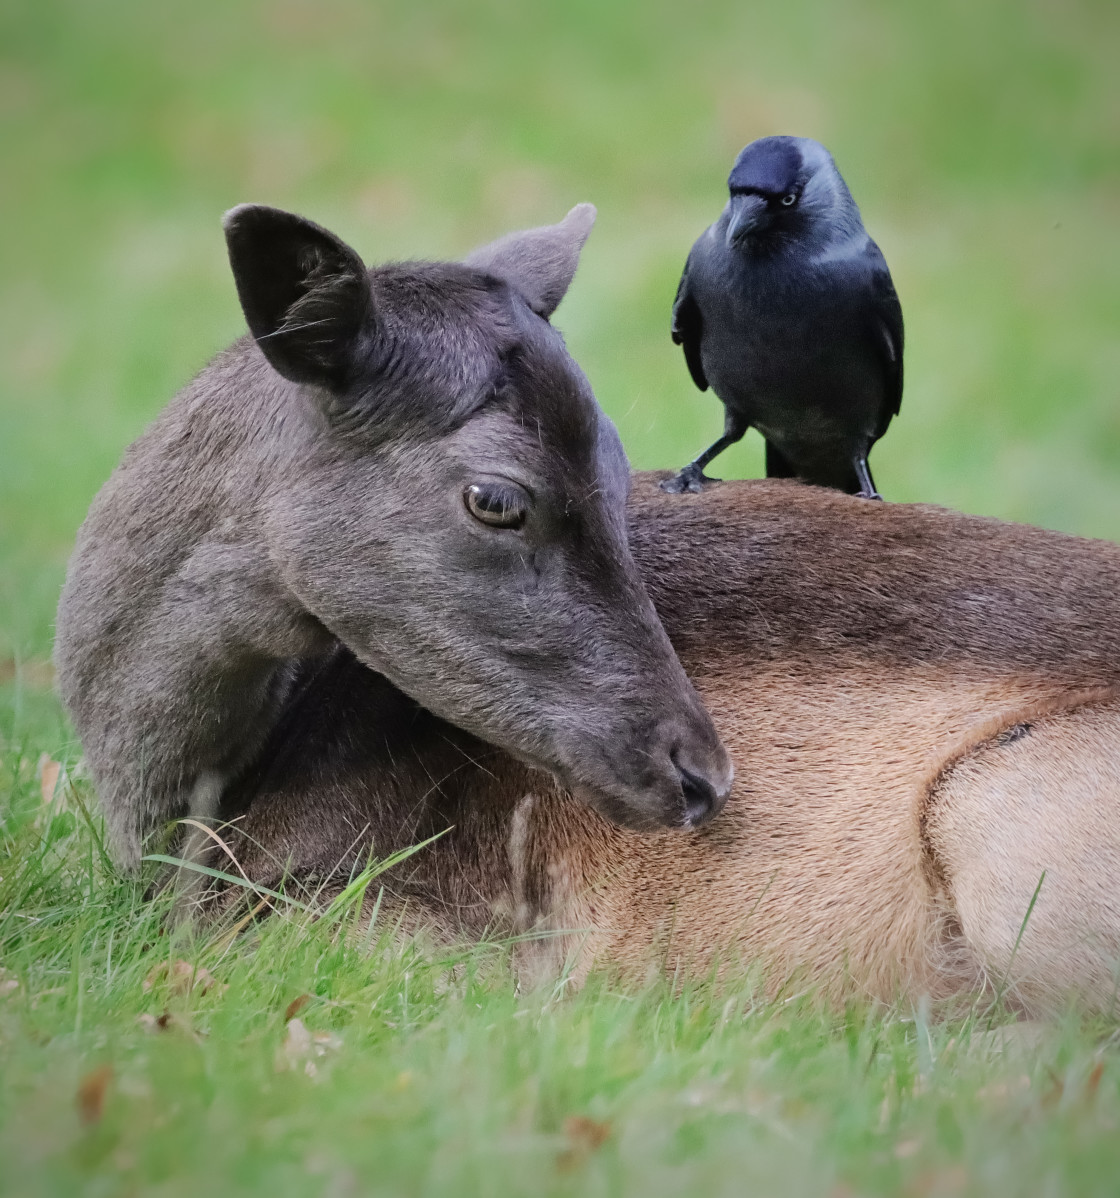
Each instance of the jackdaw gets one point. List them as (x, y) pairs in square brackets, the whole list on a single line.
[(787, 310)]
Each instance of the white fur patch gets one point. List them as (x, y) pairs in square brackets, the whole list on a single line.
[(517, 849), (206, 794)]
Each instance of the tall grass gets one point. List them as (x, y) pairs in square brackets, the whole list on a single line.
[(332, 1055)]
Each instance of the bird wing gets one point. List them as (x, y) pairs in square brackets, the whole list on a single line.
[(887, 330), (688, 327)]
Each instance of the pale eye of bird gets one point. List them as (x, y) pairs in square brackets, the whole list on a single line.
[(789, 200), (501, 505)]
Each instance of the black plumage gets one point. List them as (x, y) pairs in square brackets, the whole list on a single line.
[(787, 310)]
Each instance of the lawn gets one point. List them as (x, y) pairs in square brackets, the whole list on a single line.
[(983, 144)]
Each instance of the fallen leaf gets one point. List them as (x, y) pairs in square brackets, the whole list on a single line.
[(591, 1133), (91, 1094), (49, 772), (584, 1136), (297, 1043), (302, 1047), (295, 1006), (183, 978), (156, 1023)]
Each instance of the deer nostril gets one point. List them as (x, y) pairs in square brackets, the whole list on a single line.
[(701, 799)]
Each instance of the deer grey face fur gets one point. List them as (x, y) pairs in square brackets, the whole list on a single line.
[(404, 460)]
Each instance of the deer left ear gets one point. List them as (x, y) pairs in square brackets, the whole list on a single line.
[(305, 293), (539, 263)]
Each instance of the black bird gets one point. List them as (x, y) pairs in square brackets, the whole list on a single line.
[(787, 310)]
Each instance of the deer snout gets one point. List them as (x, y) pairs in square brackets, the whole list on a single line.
[(705, 781), (703, 798), (671, 773)]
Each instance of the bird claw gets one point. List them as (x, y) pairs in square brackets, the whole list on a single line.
[(690, 481)]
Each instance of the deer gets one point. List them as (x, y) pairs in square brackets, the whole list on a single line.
[(405, 462), (922, 709)]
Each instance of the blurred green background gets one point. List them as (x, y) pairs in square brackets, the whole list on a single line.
[(982, 141)]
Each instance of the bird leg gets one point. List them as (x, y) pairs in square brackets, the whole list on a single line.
[(777, 464), (692, 478), (866, 482)]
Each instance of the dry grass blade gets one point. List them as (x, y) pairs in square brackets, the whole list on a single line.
[(50, 773)]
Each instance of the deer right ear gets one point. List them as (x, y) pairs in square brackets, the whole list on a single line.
[(540, 263), (305, 294)]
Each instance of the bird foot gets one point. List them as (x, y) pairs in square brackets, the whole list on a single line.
[(690, 481), (869, 495)]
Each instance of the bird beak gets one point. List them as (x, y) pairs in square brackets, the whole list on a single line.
[(746, 212)]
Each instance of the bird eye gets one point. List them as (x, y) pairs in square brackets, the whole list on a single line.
[(789, 200), (500, 505)]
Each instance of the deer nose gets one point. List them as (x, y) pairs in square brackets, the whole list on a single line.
[(704, 793)]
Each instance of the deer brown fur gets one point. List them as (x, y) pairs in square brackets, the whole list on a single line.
[(923, 711)]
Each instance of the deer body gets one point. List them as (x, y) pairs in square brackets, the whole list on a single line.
[(923, 709)]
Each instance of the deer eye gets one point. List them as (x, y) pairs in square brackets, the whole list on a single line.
[(789, 200), (501, 505)]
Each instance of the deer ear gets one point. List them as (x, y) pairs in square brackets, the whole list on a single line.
[(540, 263), (305, 294)]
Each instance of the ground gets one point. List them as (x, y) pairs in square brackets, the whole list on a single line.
[(981, 143)]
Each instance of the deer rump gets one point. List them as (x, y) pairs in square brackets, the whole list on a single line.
[(923, 709)]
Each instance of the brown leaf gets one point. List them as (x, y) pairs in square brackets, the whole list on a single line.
[(155, 1023), (585, 1132), (49, 772), (589, 1133), (584, 1136), (183, 977), (91, 1094), (295, 1006), (1093, 1083)]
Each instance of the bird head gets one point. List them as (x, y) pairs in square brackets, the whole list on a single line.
[(787, 188)]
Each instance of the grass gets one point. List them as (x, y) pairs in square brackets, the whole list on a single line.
[(981, 142), (415, 1071)]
